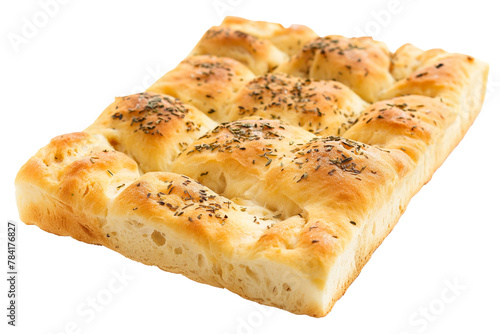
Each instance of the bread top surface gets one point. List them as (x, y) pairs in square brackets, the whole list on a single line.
[(81, 169), (205, 82), (289, 40), (238, 148), (362, 64), (259, 55), (319, 106), (151, 128)]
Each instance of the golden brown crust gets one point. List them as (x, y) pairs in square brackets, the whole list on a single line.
[(436, 74), (404, 61), (408, 123), (151, 128), (289, 40), (268, 205), (206, 82), (248, 146), (77, 174), (259, 55), (361, 64), (321, 107)]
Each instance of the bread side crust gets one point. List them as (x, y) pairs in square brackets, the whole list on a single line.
[(37, 207)]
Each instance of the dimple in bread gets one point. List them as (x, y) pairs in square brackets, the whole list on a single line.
[(271, 161)]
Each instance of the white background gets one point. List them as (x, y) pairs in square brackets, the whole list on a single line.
[(72, 67)]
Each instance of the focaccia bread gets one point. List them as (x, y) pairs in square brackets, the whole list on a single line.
[(271, 161)]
